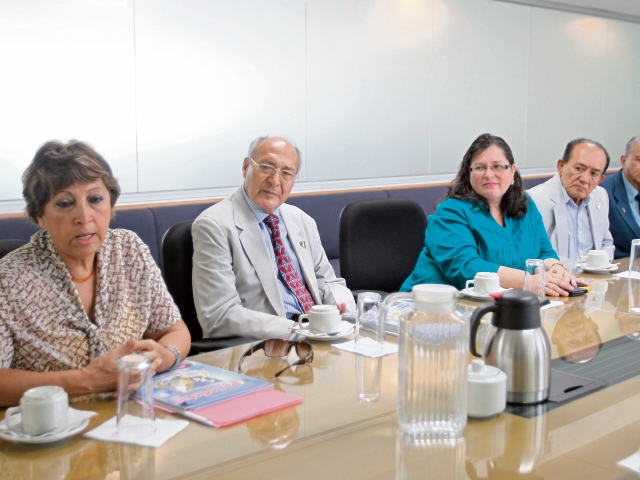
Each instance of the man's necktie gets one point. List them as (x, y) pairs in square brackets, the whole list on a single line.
[(284, 265), (638, 198)]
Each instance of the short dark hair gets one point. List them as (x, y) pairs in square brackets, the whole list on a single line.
[(514, 201), (55, 166), (575, 142)]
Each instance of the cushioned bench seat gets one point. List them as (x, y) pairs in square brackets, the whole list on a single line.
[(151, 222)]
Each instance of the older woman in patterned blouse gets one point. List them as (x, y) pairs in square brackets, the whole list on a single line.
[(79, 295)]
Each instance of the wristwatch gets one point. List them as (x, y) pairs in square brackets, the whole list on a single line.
[(176, 352)]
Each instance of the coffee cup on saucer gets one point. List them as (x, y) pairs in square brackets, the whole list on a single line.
[(42, 409), (597, 259), (484, 283), (323, 319)]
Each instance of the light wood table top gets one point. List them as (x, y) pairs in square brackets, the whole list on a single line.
[(333, 435)]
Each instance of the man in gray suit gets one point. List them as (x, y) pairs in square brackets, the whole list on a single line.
[(258, 263), (574, 208)]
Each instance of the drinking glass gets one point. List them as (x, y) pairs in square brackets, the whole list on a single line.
[(368, 373), (136, 410), (369, 336), (634, 259), (534, 277)]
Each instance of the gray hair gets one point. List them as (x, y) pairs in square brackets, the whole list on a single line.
[(254, 145), (630, 144)]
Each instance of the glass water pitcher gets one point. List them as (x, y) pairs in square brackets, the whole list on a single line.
[(433, 343)]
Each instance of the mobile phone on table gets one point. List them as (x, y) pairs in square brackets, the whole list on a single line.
[(577, 291)]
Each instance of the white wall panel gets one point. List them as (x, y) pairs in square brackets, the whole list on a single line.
[(480, 79), (372, 91), (368, 88), (566, 82), (622, 87), (67, 72), (212, 76)]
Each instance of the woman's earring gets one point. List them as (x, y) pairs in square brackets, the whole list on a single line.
[(512, 182)]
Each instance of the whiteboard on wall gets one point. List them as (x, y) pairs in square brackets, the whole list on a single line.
[(379, 92)]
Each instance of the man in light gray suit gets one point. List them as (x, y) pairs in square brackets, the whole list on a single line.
[(258, 263), (574, 209)]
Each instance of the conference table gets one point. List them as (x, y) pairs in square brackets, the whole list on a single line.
[(333, 434)]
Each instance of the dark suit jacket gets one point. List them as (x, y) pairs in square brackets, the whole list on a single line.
[(622, 225)]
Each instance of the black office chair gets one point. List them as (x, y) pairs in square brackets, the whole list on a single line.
[(9, 245), (177, 259), (380, 241)]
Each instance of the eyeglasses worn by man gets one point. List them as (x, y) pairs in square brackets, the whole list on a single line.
[(258, 262)]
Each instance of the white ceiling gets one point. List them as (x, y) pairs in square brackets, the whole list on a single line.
[(620, 9)]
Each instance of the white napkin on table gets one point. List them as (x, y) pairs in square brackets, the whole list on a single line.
[(552, 304), (165, 429), (627, 274), (632, 462), (350, 346)]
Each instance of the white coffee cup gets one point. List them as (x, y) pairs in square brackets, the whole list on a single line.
[(597, 259), (42, 409), (323, 319), (484, 283)]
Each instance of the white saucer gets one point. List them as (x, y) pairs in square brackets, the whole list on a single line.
[(78, 418), (469, 292), (608, 269), (345, 329), (46, 438)]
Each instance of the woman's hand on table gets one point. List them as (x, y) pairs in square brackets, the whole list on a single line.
[(161, 358), (102, 371), (560, 281)]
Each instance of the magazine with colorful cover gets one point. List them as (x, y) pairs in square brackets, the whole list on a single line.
[(191, 385)]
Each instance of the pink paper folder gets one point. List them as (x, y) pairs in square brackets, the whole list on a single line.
[(242, 408)]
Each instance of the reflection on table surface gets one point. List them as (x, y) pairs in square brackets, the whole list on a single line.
[(335, 433)]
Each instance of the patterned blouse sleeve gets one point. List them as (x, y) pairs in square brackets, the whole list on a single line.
[(6, 340), (163, 309)]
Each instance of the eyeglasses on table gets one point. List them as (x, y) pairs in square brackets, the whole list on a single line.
[(280, 347)]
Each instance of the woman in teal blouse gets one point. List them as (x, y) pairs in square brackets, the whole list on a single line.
[(486, 223)]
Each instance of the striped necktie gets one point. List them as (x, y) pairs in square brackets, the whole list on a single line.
[(290, 275)]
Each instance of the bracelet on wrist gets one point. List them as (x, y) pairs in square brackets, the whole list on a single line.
[(558, 263), (176, 353)]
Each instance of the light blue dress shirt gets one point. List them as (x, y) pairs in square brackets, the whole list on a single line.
[(631, 195), (292, 305), (580, 238)]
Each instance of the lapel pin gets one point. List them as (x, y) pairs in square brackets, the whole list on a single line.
[(597, 205), (623, 210), (303, 244)]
